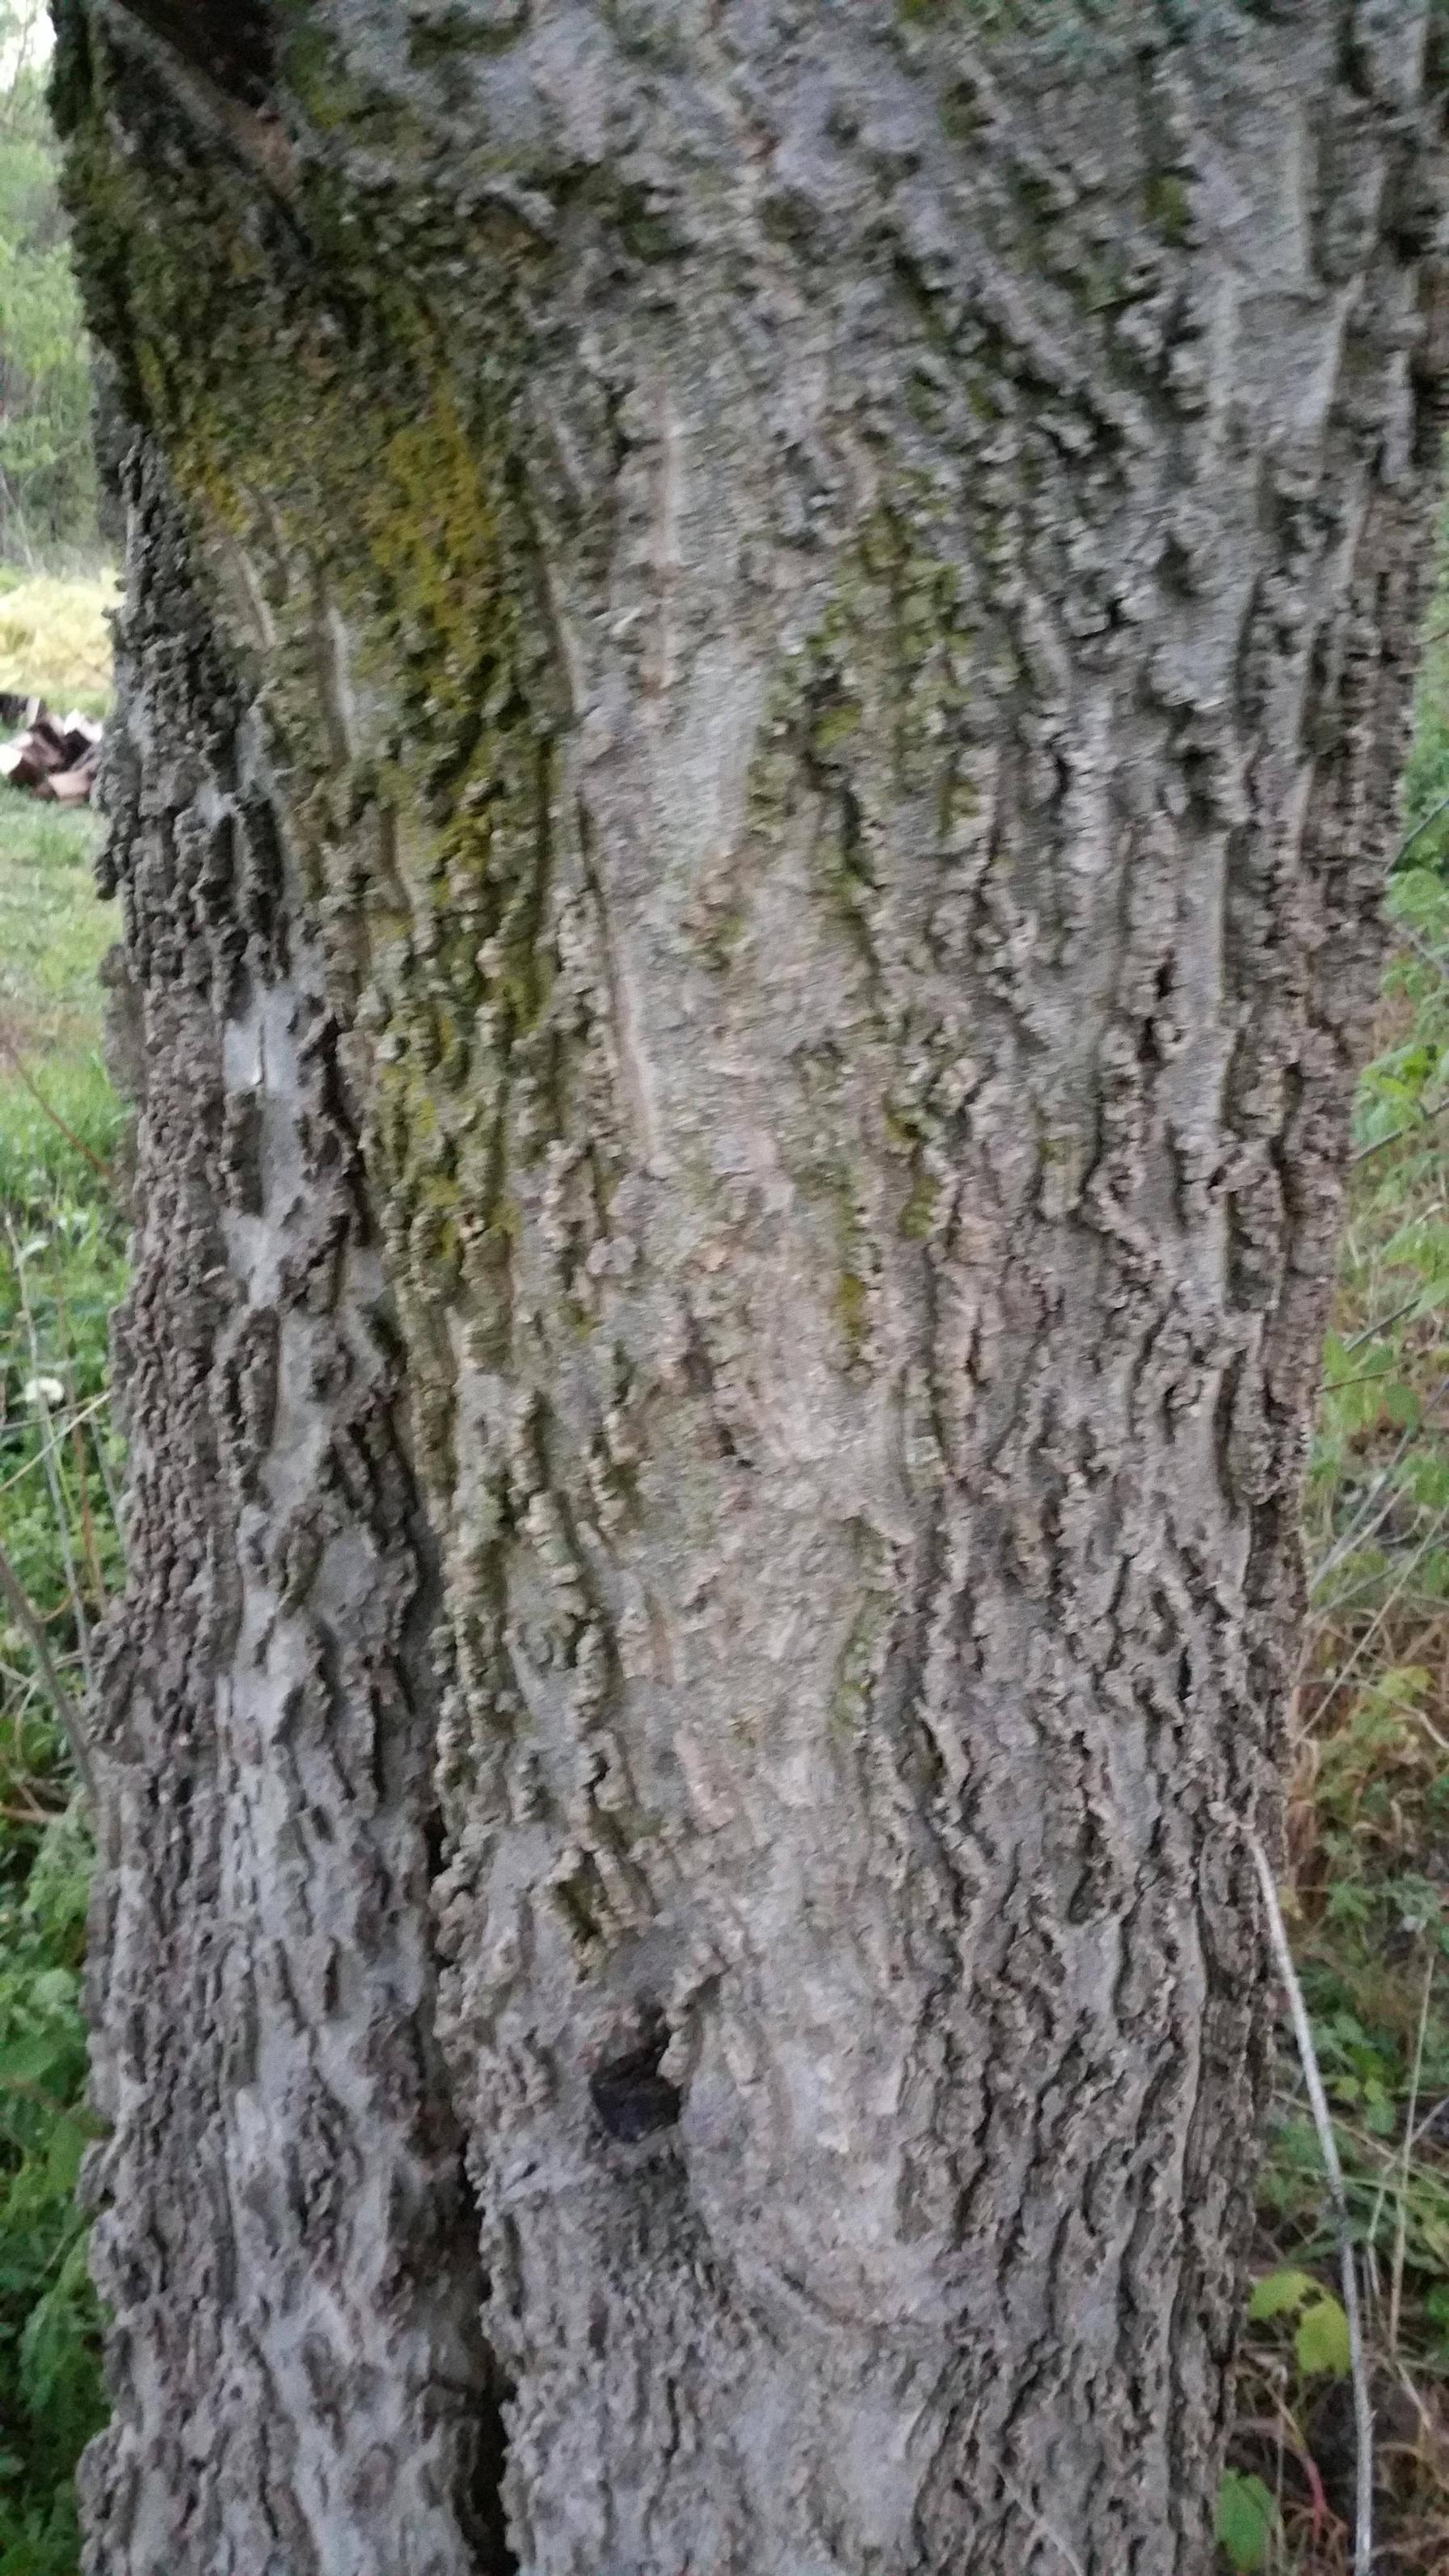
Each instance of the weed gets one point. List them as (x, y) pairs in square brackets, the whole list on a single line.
[(61, 1270), (1368, 1821)]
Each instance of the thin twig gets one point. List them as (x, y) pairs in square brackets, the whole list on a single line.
[(1289, 2442), (113, 1499), (17, 1066), (1427, 1723), (18, 1475), (1361, 2186), (1331, 1611), (1363, 2546), (1401, 2155), (1399, 1587), (1412, 1127), (1383, 1493), (56, 1484), (1432, 2120), (78, 1446), (60, 1698), (48, 1453), (1381, 1323), (1396, 2277), (1419, 829), (1434, 957), (1361, 1377)]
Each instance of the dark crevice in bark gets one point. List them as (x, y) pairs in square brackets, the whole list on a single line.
[(232, 41), (482, 2519)]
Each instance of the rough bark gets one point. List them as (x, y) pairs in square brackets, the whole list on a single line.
[(788, 630), (288, 2250)]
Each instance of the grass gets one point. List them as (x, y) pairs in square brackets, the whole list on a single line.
[(54, 931), (1367, 1891), (54, 639), (61, 1270)]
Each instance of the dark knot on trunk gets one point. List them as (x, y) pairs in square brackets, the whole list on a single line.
[(630, 2095)]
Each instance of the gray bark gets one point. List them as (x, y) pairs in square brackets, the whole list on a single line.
[(765, 661), (287, 2247)]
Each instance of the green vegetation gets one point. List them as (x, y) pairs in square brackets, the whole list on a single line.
[(47, 469), (61, 1270), (54, 931), (54, 639), (1367, 1893)]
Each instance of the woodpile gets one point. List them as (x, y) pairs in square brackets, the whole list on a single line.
[(52, 756)]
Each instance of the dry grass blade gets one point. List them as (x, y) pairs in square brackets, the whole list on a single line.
[(33, 1631), (50, 1446), (1328, 2148), (1414, 1127), (1396, 1592), (85, 1413), (1401, 2227), (1383, 1494), (1416, 833), (12, 1056)]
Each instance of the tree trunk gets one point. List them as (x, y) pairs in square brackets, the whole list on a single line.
[(764, 662)]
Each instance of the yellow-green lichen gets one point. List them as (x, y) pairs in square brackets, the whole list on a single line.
[(852, 1307), (918, 1216), (1168, 207)]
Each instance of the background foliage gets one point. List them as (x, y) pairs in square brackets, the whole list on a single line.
[(61, 1269), (47, 473), (1367, 1887)]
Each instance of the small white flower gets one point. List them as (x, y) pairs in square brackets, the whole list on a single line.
[(43, 1390)]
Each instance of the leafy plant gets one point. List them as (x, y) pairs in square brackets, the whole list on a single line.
[(1321, 2341), (1367, 1891), (1247, 2522), (61, 1270), (47, 469), (50, 2399)]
